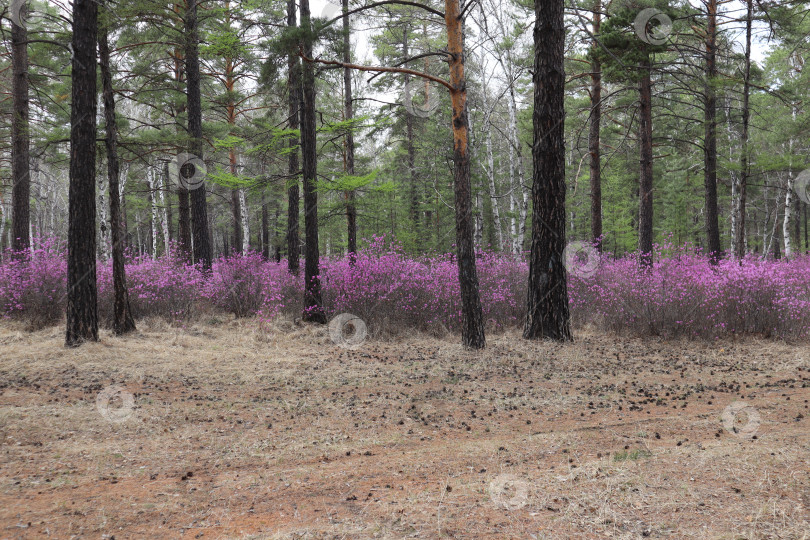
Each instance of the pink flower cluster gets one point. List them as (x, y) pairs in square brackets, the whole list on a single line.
[(681, 295)]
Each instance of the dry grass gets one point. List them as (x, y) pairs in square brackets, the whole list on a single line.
[(286, 435)]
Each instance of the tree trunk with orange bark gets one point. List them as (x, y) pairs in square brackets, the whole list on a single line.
[(472, 329)]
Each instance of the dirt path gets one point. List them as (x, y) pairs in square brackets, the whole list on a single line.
[(233, 432)]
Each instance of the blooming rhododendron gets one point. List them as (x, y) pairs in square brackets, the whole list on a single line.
[(681, 295)]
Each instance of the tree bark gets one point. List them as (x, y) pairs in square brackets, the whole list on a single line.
[(245, 224), (518, 207), (645, 195), (166, 205), (739, 240), (183, 202), (351, 210), (594, 134), (82, 294), (788, 215), (313, 310), (410, 148), (240, 234), (20, 139), (548, 312), (710, 140), (495, 204), (184, 221), (797, 224), (122, 314), (199, 206), (265, 231), (236, 211), (102, 189), (293, 197), (153, 219), (162, 211), (472, 326)]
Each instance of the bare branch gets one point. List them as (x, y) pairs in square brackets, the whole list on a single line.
[(380, 69)]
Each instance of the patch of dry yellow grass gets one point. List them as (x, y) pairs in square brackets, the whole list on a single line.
[(289, 436)]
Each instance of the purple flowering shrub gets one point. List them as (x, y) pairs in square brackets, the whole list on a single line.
[(165, 287), (33, 283), (246, 285), (395, 292), (383, 286), (681, 295)]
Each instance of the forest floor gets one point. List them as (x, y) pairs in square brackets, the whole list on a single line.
[(226, 431)]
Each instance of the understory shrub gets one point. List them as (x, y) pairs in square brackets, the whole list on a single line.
[(680, 295)]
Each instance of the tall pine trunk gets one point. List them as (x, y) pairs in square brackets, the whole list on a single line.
[(548, 313), (199, 206), (237, 196), (293, 196), (472, 324), (82, 294), (351, 210), (710, 139), (313, 309), (645, 194), (122, 314), (183, 202), (594, 135), (739, 209), (20, 139)]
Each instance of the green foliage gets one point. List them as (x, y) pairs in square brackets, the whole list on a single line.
[(621, 50)]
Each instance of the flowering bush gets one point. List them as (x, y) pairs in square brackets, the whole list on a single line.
[(681, 295), (33, 283), (247, 285), (166, 287), (684, 295)]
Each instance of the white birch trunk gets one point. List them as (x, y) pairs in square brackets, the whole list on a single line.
[(478, 226), (735, 180), (3, 215), (512, 197), (789, 198), (245, 221), (517, 175), (788, 212), (104, 226), (496, 213), (735, 211), (150, 175)]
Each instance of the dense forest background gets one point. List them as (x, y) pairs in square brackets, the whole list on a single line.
[(401, 182)]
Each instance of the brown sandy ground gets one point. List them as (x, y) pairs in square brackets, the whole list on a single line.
[(234, 431)]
